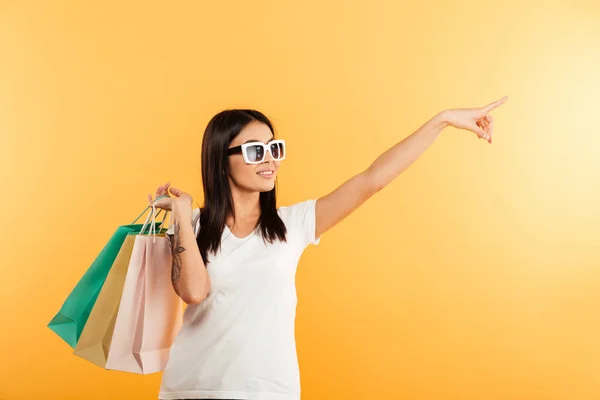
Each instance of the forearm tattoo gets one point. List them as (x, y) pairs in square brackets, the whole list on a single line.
[(176, 250)]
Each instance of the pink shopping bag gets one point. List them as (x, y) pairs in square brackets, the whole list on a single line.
[(150, 312)]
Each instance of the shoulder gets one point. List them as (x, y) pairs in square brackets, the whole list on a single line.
[(300, 219), (296, 211)]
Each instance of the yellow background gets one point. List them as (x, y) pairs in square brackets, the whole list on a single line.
[(474, 275)]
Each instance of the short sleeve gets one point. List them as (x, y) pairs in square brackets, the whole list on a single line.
[(302, 217), (195, 218)]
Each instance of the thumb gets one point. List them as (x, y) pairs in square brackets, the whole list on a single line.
[(176, 192), (480, 132)]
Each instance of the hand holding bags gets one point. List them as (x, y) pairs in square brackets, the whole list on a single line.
[(124, 313)]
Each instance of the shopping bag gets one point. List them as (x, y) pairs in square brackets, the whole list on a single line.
[(70, 320), (150, 312), (95, 339)]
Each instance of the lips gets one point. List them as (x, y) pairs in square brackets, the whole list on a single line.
[(266, 173)]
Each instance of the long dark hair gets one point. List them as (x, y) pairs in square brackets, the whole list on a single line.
[(218, 201)]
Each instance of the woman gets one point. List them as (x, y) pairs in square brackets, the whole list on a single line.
[(234, 260)]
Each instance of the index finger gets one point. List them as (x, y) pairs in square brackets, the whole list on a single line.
[(160, 190), (495, 104)]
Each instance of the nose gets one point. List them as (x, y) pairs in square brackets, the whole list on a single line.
[(269, 157)]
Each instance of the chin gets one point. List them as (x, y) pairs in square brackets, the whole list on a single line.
[(266, 187)]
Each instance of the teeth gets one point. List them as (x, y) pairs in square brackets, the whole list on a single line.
[(266, 173)]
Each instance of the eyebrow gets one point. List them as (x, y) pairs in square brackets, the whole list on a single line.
[(256, 140)]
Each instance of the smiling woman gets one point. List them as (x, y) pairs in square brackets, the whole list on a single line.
[(234, 263)]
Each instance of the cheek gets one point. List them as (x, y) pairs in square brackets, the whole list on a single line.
[(240, 170)]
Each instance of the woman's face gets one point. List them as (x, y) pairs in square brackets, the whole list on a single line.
[(246, 176)]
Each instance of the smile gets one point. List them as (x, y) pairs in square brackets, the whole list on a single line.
[(266, 174)]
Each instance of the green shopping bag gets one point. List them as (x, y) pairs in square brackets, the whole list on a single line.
[(68, 323)]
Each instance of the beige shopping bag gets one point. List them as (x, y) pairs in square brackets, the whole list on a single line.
[(95, 340), (150, 312)]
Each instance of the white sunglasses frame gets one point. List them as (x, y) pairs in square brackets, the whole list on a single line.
[(266, 147)]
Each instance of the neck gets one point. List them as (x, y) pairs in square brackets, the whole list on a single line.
[(246, 205)]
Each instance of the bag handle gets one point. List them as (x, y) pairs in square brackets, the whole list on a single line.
[(152, 230), (154, 214), (146, 209)]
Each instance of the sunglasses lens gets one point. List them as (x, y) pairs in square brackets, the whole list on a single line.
[(277, 150), (255, 153)]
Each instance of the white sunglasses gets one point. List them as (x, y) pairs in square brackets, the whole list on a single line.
[(255, 152)]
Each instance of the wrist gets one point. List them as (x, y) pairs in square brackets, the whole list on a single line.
[(441, 119), (181, 210)]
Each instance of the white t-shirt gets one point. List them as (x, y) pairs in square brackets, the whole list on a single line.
[(239, 343)]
